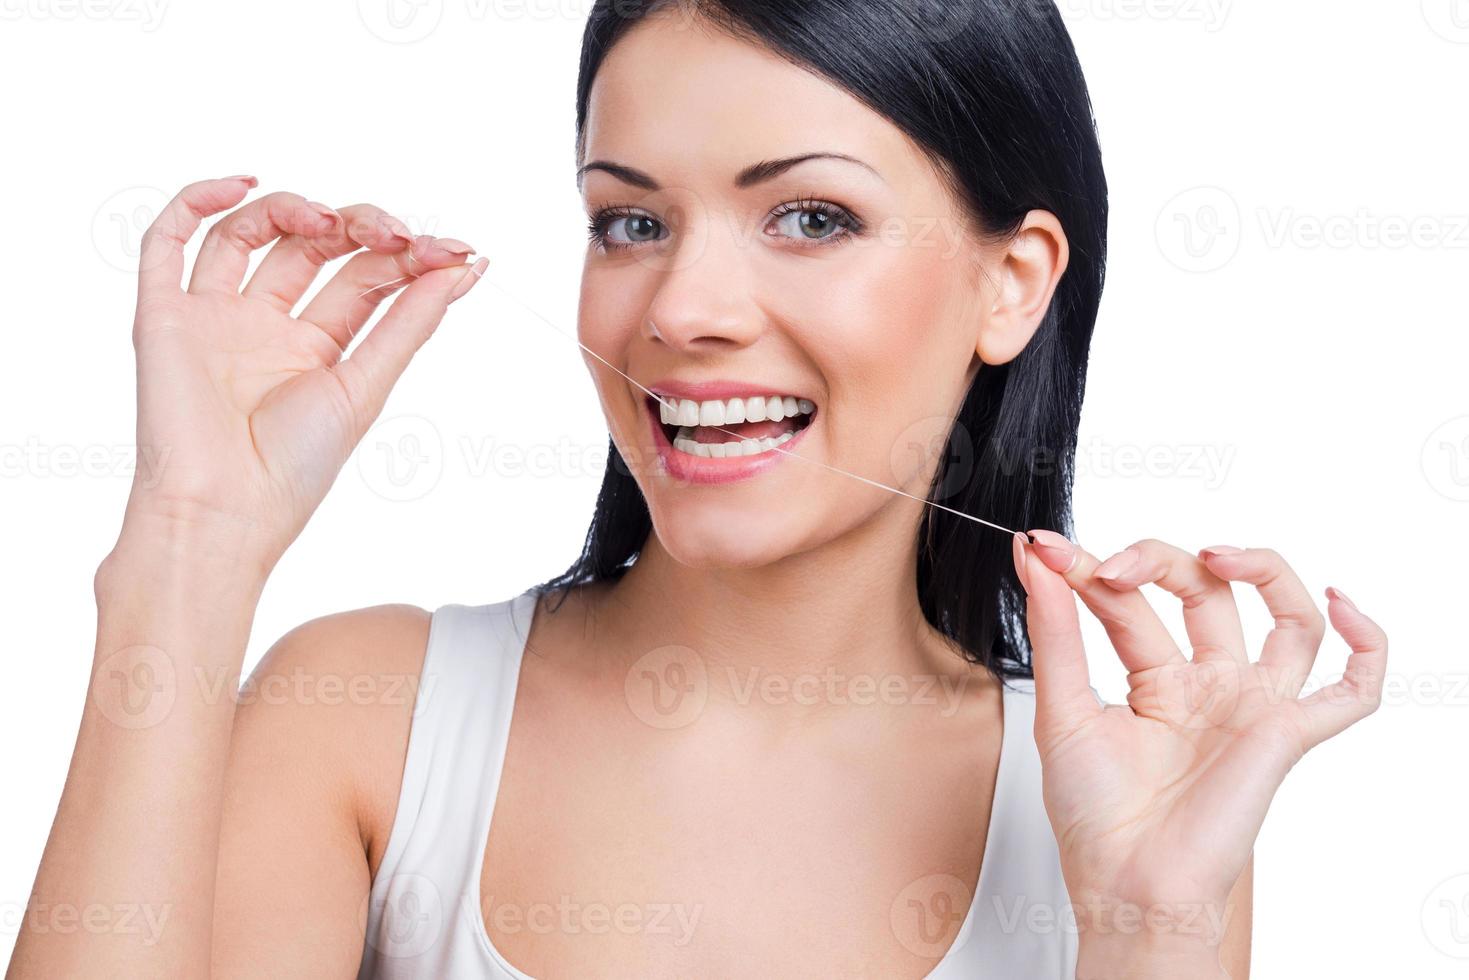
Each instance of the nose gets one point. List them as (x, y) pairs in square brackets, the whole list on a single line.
[(702, 305)]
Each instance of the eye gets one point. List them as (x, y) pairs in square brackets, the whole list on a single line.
[(609, 226), (815, 221)]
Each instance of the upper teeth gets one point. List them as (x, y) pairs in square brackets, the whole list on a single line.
[(759, 408)]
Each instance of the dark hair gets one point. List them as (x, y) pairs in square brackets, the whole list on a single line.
[(992, 91)]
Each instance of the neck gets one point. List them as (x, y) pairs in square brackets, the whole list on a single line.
[(843, 617)]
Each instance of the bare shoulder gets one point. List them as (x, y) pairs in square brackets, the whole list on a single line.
[(335, 695)]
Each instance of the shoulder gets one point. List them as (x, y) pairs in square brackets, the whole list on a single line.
[(334, 698)]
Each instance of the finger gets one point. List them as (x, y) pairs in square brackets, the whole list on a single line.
[(293, 263), (1337, 706), (1210, 615), (1141, 640), (225, 253), (161, 253), (1290, 648), (1063, 693), (350, 297), (372, 370)]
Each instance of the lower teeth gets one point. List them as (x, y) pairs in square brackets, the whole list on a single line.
[(685, 443)]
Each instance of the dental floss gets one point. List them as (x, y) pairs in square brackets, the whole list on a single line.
[(834, 469)]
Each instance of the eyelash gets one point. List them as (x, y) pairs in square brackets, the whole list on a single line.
[(847, 221)]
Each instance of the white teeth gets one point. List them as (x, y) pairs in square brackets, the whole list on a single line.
[(688, 415), (758, 408), (684, 443)]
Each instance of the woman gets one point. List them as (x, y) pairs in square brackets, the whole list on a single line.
[(774, 721)]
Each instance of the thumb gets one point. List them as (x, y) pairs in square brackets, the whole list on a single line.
[(1063, 694), (382, 357)]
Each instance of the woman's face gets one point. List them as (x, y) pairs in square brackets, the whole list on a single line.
[(851, 287)]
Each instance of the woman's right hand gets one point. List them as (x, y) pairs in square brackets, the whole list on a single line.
[(246, 413)]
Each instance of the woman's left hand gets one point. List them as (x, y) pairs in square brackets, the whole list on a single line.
[(1156, 804)]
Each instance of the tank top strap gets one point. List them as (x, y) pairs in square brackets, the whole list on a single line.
[(1021, 905), (429, 874)]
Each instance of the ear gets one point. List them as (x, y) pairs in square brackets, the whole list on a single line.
[(1020, 286)]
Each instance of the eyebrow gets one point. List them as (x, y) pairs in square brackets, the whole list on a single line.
[(754, 174)]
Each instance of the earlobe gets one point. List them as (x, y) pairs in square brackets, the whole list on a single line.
[(1027, 272)]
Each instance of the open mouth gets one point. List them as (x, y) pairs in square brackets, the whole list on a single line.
[(724, 428)]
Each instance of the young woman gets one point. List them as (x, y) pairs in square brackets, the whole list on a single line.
[(774, 721)]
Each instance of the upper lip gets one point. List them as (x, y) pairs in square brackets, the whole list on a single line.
[(702, 391)]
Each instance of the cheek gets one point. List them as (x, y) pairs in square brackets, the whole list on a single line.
[(891, 335)]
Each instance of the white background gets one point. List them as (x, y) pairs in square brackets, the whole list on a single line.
[(1282, 341)]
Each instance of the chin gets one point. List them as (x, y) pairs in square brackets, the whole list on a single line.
[(704, 535)]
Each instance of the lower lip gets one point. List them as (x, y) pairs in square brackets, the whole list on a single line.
[(709, 469)]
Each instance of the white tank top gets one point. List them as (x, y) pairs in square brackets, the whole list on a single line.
[(423, 918)]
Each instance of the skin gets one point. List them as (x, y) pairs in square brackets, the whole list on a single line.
[(261, 824)]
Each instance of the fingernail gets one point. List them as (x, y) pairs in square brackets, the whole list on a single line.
[(453, 246), (1017, 547), (1059, 554), (466, 282), (1220, 549), (1332, 592), (324, 211), (1113, 567), (245, 177), (397, 228)]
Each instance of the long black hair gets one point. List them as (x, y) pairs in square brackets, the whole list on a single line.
[(993, 92)]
